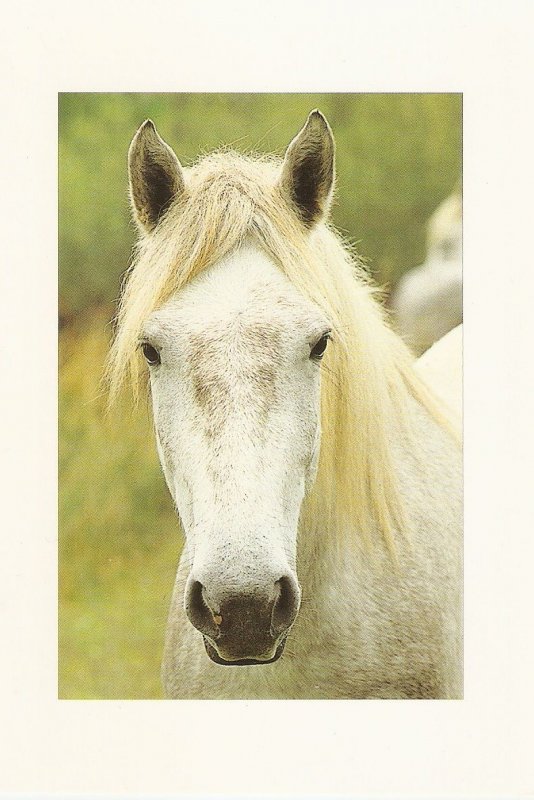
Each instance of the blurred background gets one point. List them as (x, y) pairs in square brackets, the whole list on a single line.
[(398, 199)]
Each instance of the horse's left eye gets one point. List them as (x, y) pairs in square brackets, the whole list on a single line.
[(318, 349), (151, 354)]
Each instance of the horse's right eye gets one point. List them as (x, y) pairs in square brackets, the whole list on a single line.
[(151, 354), (317, 351)]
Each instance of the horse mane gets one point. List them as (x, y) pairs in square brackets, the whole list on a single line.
[(367, 375)]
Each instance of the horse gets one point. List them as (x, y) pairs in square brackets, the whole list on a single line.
[(427, 301), (317, 478), (441, 366)]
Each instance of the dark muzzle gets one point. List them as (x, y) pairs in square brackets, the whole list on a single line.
[(244, 628)]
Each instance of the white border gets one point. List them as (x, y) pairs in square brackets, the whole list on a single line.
[(477, 747)]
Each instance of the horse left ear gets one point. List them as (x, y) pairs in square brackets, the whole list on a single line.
[(308, 170), (156, 176)]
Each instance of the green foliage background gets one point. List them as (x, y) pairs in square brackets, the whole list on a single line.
[(398, 157)]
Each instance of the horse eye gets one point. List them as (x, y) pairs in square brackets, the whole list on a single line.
[(318, 349), (151, 354)]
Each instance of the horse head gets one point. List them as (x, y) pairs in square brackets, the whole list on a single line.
[(234, 359)]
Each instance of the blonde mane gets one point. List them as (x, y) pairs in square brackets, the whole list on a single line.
[(367, 376)]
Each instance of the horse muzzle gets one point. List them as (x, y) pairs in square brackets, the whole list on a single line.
[(215, 656), (244, 628)]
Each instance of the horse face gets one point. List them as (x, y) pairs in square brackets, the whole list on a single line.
[(235, 387)]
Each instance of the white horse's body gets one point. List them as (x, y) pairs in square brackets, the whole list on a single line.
[(427, 303), (441, 367), (320, 498)]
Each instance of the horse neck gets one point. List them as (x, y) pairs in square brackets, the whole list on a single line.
[(419, 450)]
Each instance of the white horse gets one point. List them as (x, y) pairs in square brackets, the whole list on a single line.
[(317, 481), (427, 302), (441, 367)]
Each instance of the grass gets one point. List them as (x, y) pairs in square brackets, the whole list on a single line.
[(119, 541)]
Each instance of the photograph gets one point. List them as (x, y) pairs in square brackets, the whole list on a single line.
[(260, 396), (267, 443)]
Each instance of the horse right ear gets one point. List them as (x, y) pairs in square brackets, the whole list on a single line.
[(307, 178), (155, 174)]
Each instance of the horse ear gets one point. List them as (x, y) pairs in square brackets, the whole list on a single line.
[(155, 176), (308, 170)]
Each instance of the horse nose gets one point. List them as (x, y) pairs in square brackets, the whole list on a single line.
[(246, 623), (286, 604)]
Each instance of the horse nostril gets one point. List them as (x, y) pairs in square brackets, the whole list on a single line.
[(286, 605), (197, 609)]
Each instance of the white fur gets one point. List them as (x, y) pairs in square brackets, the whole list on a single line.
[(427, 302), (365, 628), (441, 367), (238, 489)]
